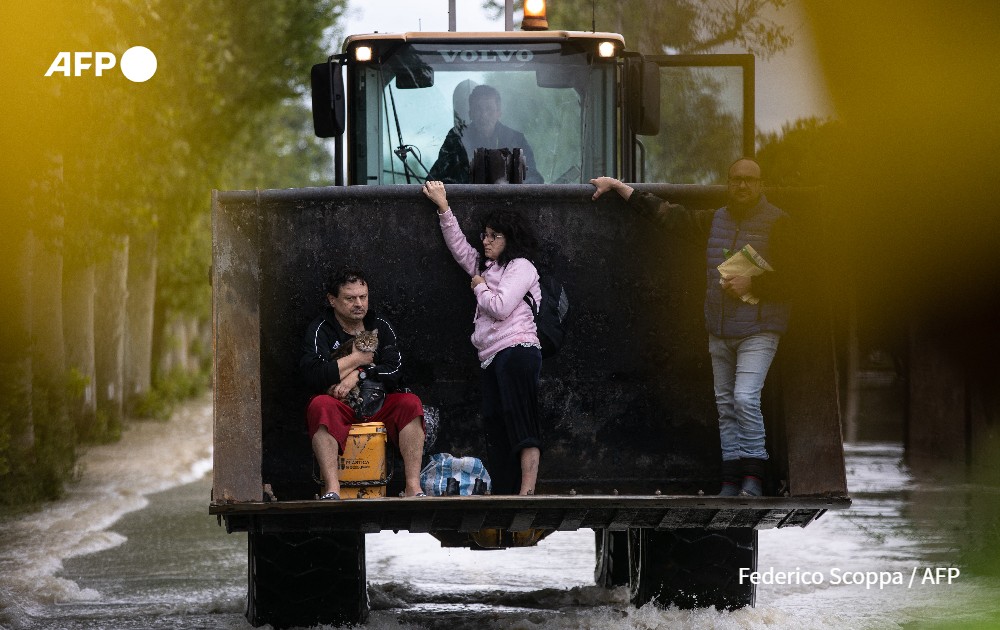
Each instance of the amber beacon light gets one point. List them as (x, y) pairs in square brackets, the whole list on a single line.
[(534, 16)]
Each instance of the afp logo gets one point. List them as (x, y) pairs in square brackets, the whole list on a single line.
[(138, 64)]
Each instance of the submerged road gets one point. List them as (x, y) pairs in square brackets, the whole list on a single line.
[(122, 552)]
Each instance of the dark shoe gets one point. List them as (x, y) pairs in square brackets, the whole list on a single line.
[(752, 487), (754, 470), (453, 489), (330, 496), (729, 489), (732, 472)]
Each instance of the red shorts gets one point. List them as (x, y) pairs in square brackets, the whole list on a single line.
[(398, 410)]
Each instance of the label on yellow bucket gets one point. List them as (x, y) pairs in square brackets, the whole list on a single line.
[(364, 492), (364, 457)]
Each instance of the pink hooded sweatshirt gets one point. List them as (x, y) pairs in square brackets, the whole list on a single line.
[(503, 319)]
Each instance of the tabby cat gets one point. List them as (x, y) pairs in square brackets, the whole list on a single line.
[(365, 341)]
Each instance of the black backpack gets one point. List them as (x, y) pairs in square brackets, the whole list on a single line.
[(550, 321)]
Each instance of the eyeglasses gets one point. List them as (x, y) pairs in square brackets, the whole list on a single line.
[(749, 181), (489, 237)]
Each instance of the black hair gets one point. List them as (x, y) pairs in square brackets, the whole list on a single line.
[(481, 92), (341, 276), (519, 237)]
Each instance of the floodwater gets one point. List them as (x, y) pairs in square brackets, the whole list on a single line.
[(132, 546)]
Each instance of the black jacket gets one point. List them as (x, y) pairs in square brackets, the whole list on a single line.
[(325, 335), (453, 165)]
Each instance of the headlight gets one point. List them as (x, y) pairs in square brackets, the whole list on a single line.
[(363, 53)]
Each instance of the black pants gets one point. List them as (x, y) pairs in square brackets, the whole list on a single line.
[(510, 414)]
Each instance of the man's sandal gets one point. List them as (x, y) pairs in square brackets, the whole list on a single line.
[(330, 496)]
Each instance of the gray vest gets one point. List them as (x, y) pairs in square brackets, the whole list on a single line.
[(727, 316)]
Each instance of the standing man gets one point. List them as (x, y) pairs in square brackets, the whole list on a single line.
[(330, 380), (742, 335), (454, 163)]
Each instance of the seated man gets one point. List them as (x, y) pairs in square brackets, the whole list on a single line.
[(331, 379), (485, 130)]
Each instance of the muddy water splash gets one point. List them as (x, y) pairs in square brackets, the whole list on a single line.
[(114, 480), (132, 546)]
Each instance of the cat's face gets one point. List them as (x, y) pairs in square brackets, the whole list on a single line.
[(367, 340)]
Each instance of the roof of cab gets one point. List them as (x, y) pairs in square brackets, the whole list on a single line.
[(486, 36)]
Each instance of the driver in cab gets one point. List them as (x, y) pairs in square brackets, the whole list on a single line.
[(484, 130)]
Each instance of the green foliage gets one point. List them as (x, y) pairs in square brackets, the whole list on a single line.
[(237, 123), (802, 153), (675, 26), (101, 157), (182, 273), (76, 383), (15, 411), (104, 430), (281, 150), (168, 390), (699, 135), (5, 455), (37, 451), (980, 552)]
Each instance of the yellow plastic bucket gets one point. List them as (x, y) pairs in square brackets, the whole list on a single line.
[(362, 467)]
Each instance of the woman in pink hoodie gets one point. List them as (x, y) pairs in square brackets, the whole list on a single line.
[(504, 336)]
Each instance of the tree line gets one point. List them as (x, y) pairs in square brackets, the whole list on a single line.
[(104, 190), (105, 205), (700, 127)]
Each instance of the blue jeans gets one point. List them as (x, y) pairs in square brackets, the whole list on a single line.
[(739, 367)]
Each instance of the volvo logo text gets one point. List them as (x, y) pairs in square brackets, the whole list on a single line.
[(489, 56)]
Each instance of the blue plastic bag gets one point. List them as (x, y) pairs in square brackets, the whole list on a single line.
[(443, 466)]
